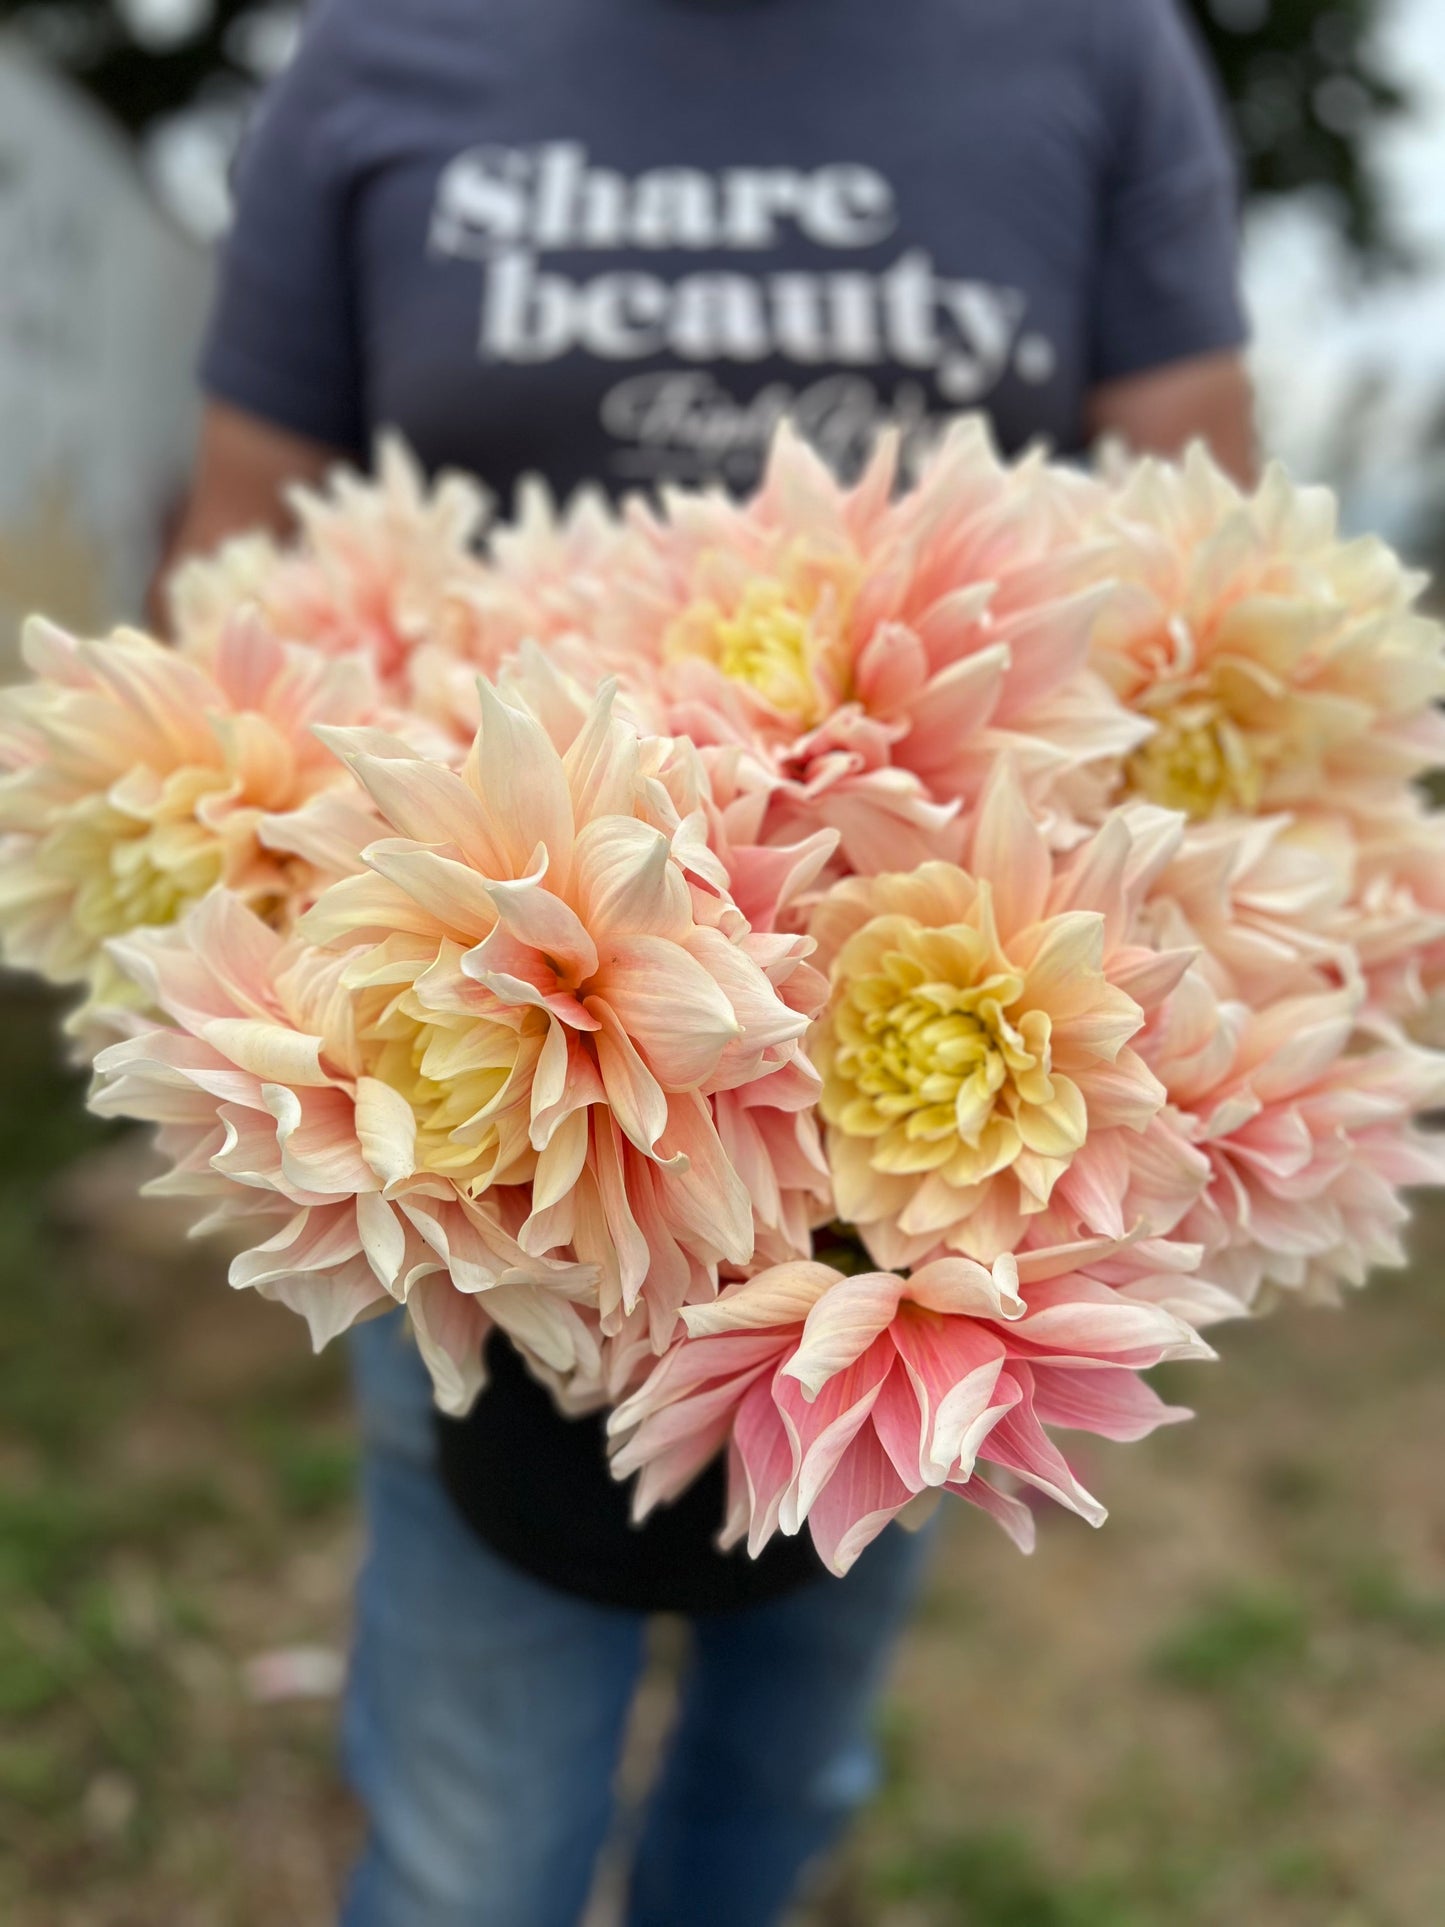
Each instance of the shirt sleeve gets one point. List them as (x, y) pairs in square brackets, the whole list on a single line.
[(282, 342), (1167, 284)]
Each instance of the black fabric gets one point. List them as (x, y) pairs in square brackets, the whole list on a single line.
[(536, 1488)]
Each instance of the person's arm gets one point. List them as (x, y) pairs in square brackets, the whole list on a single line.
[(1161, 411), (281, 367), (244, 466), (1168, 325)]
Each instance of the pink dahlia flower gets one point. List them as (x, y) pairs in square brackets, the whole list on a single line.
[(840, 1399), (379, 567), (880, 654), (1396, 915), (980, 1089), (1267, 907), (1281, 668), (545, 576), (135, 779), (1308, 1124)]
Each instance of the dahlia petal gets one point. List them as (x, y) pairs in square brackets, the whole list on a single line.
[(782, 1295), (1095, 1322), (672, 1455), (958, 1287), (317, 1138), (1113, 1404), (862, 1495), (1019, 1443), (542, 1323), (627, 881), (330, 1303), (634, 1094), (541, 921), (764, 1450), (383, 1240), (1008, 849), (360, 906), (903, 1425), (661, 996), (560, 1164), (385, 1129), (824, 1426), (451, 1330), (528, 801), (421, 800), (448, 892), (705, 1196), (311, 1241), (1012, 1514), (271, 1052), (953, 1368), (960, 699), (841, 1326)]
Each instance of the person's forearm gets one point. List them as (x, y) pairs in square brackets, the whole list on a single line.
[(1162, 411)]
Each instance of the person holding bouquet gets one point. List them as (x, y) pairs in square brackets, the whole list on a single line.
[(616, 242)]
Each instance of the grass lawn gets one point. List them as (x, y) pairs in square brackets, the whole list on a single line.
[(1226, 1707)]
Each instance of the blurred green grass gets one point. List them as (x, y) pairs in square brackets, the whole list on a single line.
[(148, 1500), (1226, 1707)]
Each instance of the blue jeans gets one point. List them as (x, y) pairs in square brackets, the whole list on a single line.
[(485, 1714)]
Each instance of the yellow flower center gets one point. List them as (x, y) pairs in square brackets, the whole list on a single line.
[(935, 1055), (1199, 761), (129, 872), (768, 642), (459, 1074)]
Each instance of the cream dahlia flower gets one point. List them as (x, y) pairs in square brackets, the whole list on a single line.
[(979, 1085), (879, 653), (379, 567), (1281, 668), (840, 1399), (136, 779)]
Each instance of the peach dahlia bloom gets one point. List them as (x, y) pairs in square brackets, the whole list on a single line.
[(1281, 667), (269, 1086), (980, 1089), (135, 779), (379, 566), (880, 653), (534, 1028), (840, 1399)]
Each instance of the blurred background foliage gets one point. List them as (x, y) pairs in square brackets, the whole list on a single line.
[(1303, 85)]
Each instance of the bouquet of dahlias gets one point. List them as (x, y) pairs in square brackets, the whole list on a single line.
[(848, 980)]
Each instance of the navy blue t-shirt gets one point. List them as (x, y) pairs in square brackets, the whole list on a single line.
[(617, 240)]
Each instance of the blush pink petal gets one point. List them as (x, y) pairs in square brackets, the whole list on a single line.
[(839, 1399)]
